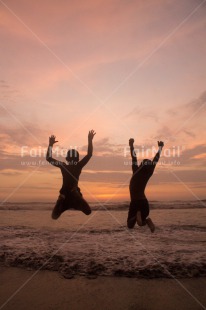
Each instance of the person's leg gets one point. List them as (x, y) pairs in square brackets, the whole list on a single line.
[(145, 213), (84, 207), (79, 203), (150, 224), (140, 207), (139, 218), (132, 216), (59, 207)]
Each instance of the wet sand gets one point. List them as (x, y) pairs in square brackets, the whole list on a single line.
[(22, 289)]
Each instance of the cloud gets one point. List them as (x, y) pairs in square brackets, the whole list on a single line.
[(134, 112), (200, 156), (91, 34), (3, 84), (10, 172), (13, 136), (183, 176), (194, 156), (102, 147), (197, 185), (197, 103), (7, 94), (189, 133), (183, 122), (191, 106), (164, 133)]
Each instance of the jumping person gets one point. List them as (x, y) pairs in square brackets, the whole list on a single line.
[(70, 195), (139, 206)]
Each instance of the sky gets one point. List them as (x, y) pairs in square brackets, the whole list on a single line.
[(127, 69)]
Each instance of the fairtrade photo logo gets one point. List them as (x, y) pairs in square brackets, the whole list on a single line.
[(42, 151), (34, 155), (169, 156)]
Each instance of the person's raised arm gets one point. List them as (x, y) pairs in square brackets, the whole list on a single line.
[(157, 156), (86, 158), (54, 162), (91, 135), (133, 155)]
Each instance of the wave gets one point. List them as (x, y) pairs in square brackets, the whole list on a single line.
[(96, 252), (92, 268), (114, 206)]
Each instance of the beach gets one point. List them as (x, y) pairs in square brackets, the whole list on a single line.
[(96, 262), (47, 290)]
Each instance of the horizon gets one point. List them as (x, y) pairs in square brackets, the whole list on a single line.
[(102, 201)]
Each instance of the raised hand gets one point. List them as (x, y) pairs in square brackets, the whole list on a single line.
[(91, 135), (52, 140), (131, 142), (160, 143)]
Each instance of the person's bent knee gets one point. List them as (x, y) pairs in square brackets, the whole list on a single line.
[(54, 217), (88, 212), (130, 225)]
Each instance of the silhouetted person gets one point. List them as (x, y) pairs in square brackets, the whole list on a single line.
[(70, 195), (139, 206)]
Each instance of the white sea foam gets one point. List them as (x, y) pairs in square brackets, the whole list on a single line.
[(101, 244), (115, 206)]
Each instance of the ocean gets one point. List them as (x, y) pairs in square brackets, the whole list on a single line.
[(101, 244)]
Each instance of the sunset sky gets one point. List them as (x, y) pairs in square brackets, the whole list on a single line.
[(123, 68)]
